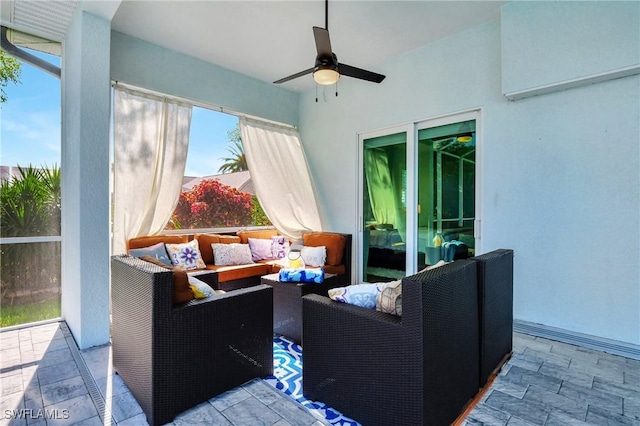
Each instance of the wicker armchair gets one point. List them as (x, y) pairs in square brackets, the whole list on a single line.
[(175, 357), (495, 297), (380, 369)]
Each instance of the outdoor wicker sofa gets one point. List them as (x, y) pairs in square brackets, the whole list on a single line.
[(173, 357), (380, 369), (228, 278), (495, 298)]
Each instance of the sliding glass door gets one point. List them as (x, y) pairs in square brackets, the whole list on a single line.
[(417, 196)]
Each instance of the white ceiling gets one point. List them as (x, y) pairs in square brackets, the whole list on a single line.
[(269, 40)]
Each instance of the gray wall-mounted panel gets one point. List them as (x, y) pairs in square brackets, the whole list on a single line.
[(550, 46)]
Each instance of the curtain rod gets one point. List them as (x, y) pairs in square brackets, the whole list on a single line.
[(116, 83)]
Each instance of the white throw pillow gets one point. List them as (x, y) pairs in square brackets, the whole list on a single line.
[(314, 256), (231, 254), (186, 254)]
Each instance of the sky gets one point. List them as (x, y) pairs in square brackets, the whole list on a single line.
[(30, 125)]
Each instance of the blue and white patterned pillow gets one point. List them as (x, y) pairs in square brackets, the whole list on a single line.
[(308, 275), (364, 295), (186, 254)]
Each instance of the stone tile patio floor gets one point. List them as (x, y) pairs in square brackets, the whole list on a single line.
[(552, 383), (42, 374)]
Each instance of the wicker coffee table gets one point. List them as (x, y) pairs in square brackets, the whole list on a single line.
[(287, 302)]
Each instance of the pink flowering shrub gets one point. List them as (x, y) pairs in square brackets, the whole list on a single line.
[(211, 204)]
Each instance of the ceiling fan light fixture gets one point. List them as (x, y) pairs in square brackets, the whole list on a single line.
[(326, 75)]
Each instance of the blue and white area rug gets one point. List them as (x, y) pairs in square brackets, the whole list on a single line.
[(287, 378)]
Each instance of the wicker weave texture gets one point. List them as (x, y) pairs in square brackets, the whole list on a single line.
[(449, 319), (287, 303), (380, 369), (174, 357), (495, 297)]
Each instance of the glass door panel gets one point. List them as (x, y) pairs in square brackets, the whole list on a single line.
[(384, 208), (446, 192)]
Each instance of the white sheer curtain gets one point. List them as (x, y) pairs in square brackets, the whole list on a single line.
[(280, 176), (151, 136)]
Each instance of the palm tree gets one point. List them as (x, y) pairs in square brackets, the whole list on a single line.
[(237, 161), (30, 203), (30, 207)]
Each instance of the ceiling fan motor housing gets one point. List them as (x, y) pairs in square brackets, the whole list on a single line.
[(326, 62)]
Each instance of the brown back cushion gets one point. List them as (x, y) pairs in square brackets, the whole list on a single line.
[(229, 239), (141, 242), (181, 289), (333, 242), (204, 242), (264, 234)]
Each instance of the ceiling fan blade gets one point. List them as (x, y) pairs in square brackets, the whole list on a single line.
[(354, 72), (323, 43), (291, 77)]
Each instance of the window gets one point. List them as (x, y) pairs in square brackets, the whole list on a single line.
[(217, 191), (30, 188)]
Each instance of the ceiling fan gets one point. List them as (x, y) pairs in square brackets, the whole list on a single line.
[(327, 69)]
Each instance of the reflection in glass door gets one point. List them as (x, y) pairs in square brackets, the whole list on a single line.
[(418, 196), (446, 192), (384, 208)]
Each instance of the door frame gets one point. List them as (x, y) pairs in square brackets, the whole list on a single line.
[(411, 130)]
